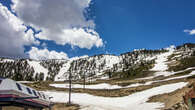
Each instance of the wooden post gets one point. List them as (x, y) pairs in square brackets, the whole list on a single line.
[(70, 82)]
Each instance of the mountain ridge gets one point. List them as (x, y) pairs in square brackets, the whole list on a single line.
[(93, 66)]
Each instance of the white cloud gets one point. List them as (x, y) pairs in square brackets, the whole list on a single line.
[(12, 34), (43, 54), (79, 37), (62, 21), (191, 32)]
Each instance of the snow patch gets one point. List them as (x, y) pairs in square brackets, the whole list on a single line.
[(38, 68), (25, 82), (96, 86), (6, 60), (161, 62), (136, 101)]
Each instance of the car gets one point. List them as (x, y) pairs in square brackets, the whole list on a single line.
[(13, 93)]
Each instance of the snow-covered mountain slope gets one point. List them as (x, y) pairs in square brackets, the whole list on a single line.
[(63, 73), (59, 70), (160, 62), (161, 85), (38, 68), (94, 66), (160, 89), (98, 65)]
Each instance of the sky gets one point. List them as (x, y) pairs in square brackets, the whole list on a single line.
[(48, 29)]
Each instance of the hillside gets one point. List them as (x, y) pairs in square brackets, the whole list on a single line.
[(58, 70), (138, 80), (173, 75)]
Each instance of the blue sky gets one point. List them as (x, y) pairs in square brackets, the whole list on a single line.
[(144, 24), (124, 25)]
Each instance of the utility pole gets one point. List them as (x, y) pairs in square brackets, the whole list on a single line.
[(90, 77), (84, 80), (70, 84)]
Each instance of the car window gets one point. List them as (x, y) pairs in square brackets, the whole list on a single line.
[(29, 91), (19, 86), (39, 94), (34, 93)]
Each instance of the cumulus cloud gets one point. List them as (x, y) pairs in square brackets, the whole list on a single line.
[(63, 21), (12, 34), (44, 54), (78, 37), (191, 32)]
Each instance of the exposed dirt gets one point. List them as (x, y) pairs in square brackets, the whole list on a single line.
[(58, 106), (106, 92), (172, 99), (62, 106)]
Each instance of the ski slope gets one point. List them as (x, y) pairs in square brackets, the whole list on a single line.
[(38, 68)]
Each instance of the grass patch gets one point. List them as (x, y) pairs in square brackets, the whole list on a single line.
[(191, 77), (183, 73), (171, 56), (184, 64)]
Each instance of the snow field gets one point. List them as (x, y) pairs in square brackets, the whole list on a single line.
[(136, 101)]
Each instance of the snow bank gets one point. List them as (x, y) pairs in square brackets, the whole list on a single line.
[(165, 73), (168, 79), (25, 82), (184, 76), (139, 84), (96, 86), (136, 101)]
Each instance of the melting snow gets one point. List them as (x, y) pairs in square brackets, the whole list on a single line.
[(161, 65), (96, 86), (26, 82), (136, 101)]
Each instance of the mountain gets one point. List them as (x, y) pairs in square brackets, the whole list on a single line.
[(128, 64)]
